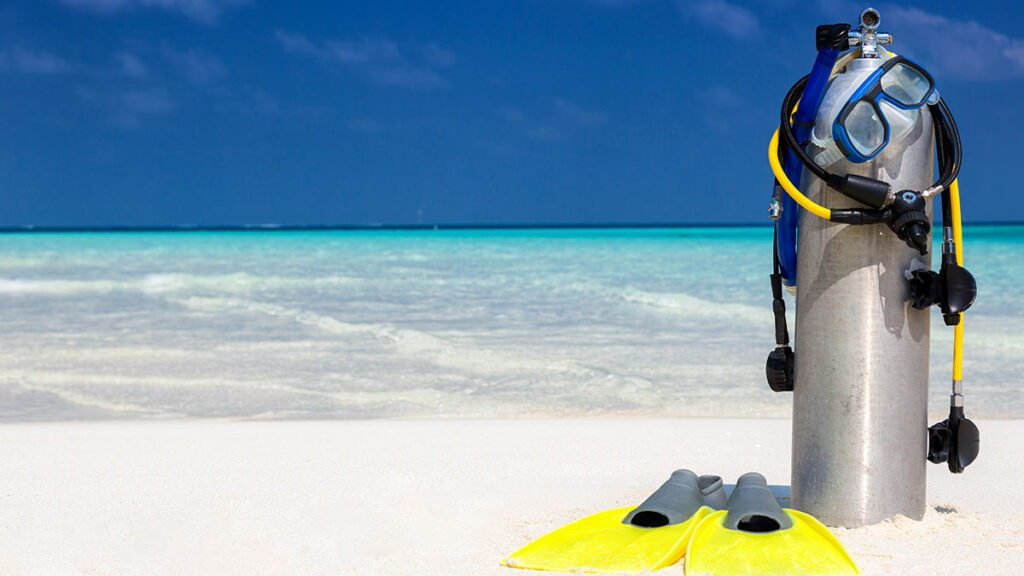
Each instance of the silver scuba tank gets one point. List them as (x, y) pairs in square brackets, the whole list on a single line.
[(861, 375)]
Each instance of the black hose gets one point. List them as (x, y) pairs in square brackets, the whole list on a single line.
[(942, 153), (788, 103), (942, 118)]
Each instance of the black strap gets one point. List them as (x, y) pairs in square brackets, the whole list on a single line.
[(778, 303)]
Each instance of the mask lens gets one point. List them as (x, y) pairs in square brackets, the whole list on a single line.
[(864, 128), (906, 84)]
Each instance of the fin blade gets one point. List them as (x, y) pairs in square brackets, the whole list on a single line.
[(808, 548), (601, 543)]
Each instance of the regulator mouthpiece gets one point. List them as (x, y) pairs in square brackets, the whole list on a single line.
[(955, 441), (953, 288), (960, 291)]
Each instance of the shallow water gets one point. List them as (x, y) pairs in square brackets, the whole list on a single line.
[(362, 324)]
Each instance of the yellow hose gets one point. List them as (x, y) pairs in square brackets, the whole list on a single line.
[(780, 174), (958, 239), (958, 230)]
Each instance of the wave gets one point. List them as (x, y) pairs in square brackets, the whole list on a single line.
[(234, 283), (469, 358), (693, 306)]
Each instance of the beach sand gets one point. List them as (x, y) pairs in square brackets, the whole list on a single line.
[(422, 497)]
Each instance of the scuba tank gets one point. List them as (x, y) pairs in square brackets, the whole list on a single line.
[(863, 287), (861, 377)]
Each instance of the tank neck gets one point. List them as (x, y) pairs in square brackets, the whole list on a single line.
[(858, 64)]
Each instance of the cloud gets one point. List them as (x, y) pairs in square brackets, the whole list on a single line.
[(733, 20), (978, 53), (133, 105), (614, 3), (365, 126), (721, 98), (558, 124), (131, 65), (147, 102), (206, 12), (21, 61), (297, 44), (127, 108), (378, 60), (723, 109), (575, 116), (199, 67), (437, 56), (262, 102)]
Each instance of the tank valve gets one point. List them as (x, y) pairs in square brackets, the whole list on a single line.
[(867, 36)]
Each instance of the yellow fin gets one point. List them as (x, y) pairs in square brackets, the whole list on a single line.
[(601, 543), (808, 548)]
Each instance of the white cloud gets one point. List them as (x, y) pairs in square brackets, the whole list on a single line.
[(21, 61), (131, 65), (202, 11), (380, 61), (577, 117), (411, 77), (721, 98), (563, 119), (736, 21), (948, 47), (956, 48), (437, 56), (723, 109), (296, 43), (263, 102), (134, 105), (614, 3), (128, 108), (153, 101), (365, 126), (198, 67)]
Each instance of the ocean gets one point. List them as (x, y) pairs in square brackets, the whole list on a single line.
[(434, 323)]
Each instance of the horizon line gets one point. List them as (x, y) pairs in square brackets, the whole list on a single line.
[(30, 228)]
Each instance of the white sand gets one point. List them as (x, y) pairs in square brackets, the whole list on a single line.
[(445, 497)]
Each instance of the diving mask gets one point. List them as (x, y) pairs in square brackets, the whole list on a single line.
[(883, 108)]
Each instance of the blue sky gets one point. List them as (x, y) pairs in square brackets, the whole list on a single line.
[(163, 112)]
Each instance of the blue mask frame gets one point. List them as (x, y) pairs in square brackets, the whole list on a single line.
[(871, 91)]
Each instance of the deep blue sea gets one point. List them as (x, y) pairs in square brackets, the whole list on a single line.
[(464, 323)]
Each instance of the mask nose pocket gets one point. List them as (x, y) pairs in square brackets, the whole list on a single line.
[(901, 122)]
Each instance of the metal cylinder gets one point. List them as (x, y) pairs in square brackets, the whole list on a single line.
[(861, 382)]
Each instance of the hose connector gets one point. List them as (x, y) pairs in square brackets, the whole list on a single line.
[(909, 221)]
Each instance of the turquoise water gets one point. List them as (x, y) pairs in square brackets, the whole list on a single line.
[(364, 324)]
